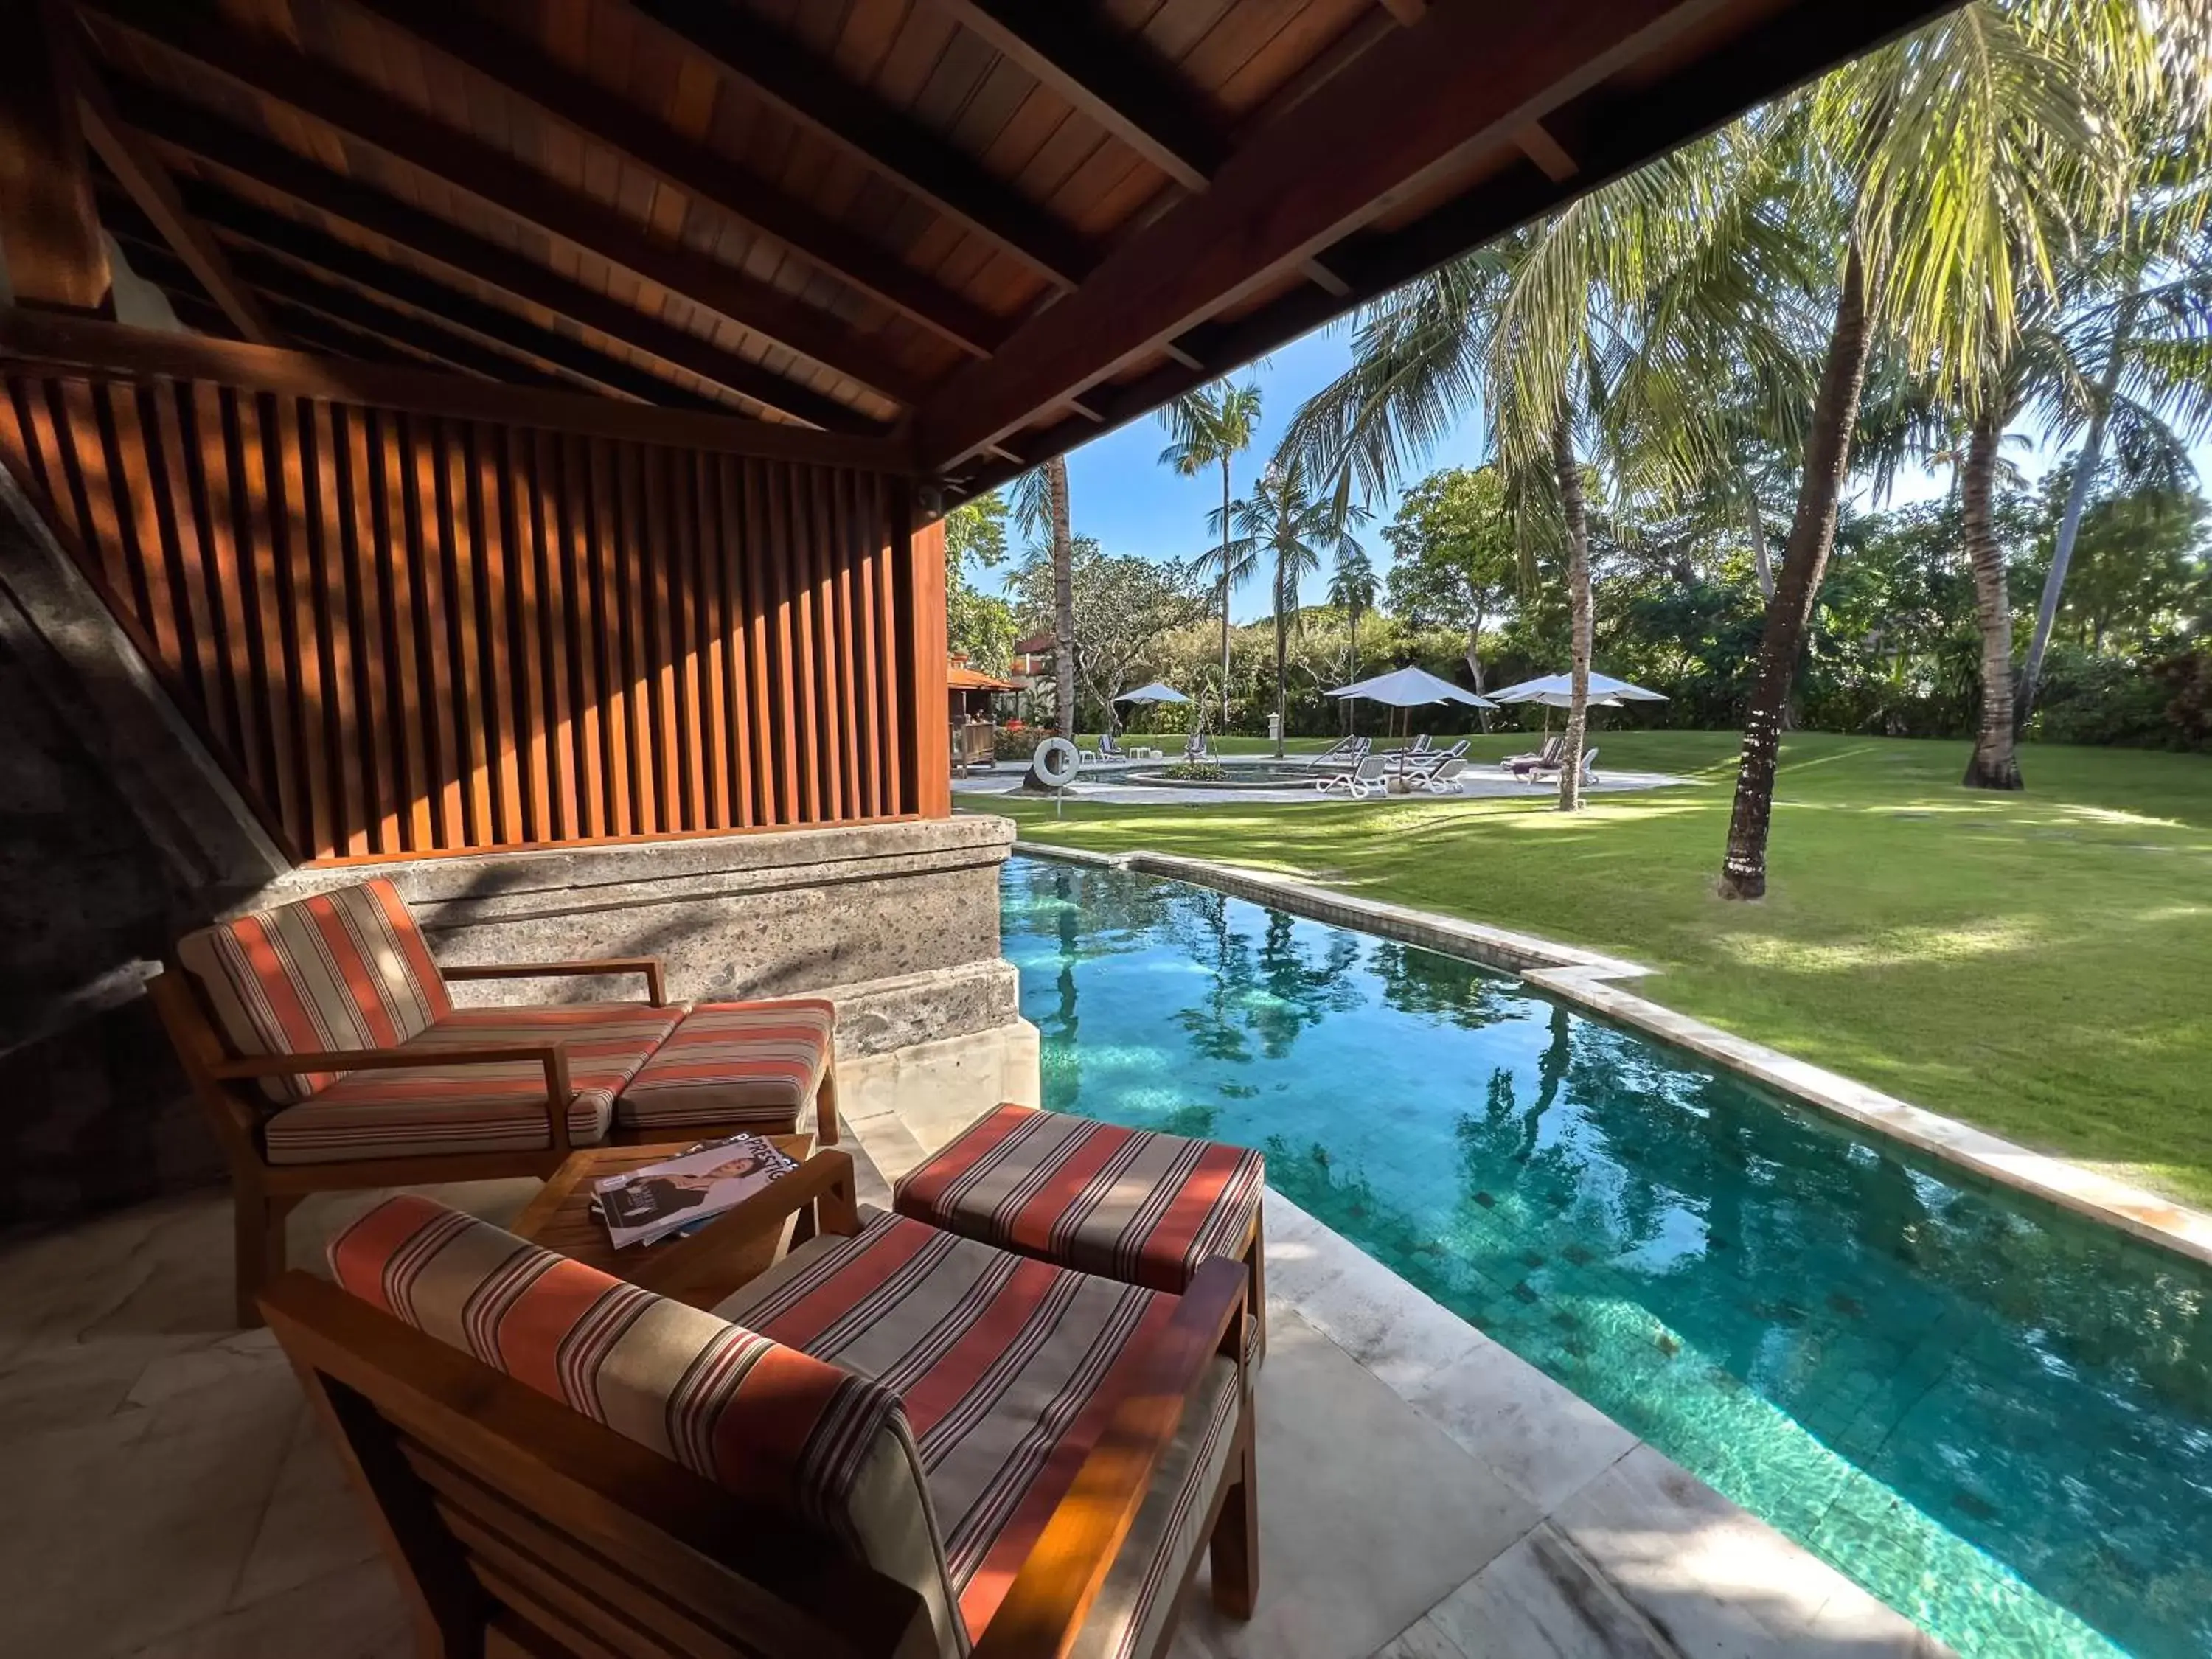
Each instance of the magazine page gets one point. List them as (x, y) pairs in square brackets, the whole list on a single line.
[(650, 1202)]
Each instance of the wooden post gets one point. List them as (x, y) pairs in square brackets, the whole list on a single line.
[(49, 232), (923, 556)]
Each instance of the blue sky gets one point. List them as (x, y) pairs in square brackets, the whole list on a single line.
[(1118, 493)]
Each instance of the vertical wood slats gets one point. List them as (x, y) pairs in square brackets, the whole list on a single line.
[(404, 634)]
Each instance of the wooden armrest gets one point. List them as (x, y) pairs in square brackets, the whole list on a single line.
[(553, 1056), (1044, 1612), (827, 1175), (649, 966)]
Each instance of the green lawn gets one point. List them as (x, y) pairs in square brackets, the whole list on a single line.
[(2040, 964)]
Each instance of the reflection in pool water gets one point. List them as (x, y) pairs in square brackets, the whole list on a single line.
[(1995, 1416)]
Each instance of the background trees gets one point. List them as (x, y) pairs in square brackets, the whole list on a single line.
[(1211, 427)]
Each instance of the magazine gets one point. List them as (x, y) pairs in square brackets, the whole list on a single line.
[(650, 1203)]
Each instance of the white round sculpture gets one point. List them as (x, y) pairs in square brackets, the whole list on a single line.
[(1055, 763)]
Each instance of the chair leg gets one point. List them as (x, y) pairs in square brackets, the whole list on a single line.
[(1235, 1548), (258, 1221), (825, 1108)]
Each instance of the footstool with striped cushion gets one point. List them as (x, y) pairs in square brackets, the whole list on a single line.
[(738, 1065), (1133, 1204)]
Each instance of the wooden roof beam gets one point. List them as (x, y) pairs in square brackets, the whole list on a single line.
[(185, 128), (53, 254), (147, 181), (272, 69), (1463, 79), (442, 307), (607, 120), (888, 141)]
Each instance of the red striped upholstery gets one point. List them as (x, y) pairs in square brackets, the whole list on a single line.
[(477, 1107), (763, 1420), (1009, 1368), (1129, 1203), (343, 970), (735, 1063)]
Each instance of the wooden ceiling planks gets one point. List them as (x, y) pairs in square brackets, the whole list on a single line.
[(877, 211)]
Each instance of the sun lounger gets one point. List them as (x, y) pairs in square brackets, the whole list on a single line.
[(1370, 776), (1523, 766)]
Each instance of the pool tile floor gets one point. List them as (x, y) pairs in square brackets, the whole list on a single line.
[(1424, 1494)]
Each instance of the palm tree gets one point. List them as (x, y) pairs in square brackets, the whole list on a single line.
[(1285, 520), (1211, 427), (2143, 310), (1351, 589), (1951, 158), (1041, 508), (1608, 327)]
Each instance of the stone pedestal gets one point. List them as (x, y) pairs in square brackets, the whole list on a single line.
[(898, 922)]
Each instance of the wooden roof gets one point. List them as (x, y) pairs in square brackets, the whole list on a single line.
[(982, 229)]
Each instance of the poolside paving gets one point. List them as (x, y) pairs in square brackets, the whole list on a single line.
[(1103, 783), (1425, 1493)]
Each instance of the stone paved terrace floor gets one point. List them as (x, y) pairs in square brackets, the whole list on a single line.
[(1424, 1494)]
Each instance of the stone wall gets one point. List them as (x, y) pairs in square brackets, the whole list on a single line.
[(899, 922)]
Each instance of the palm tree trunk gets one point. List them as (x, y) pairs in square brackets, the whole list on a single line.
[(1762, 562), (1797, 585), (1063, 599), (1474, 666), (1578, 595), (2070, 526), (1282, 635), (1352, 714), (1994, 765), (1224, 594)]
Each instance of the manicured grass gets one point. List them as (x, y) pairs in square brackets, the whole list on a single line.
[(2040, 964)]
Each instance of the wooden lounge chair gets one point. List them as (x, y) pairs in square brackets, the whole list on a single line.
[(559, 1463), (323, 1047)]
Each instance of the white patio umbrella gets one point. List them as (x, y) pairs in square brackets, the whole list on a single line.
[(1557, 691), (1153, 693), (1408, 688)]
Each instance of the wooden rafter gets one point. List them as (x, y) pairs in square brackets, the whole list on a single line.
[(1109, 77), (441, 307), (374, 117), (511, 61), (1462, 77), (185, 128), (79, 345), (143, 176), (887, 141), (52, 248)]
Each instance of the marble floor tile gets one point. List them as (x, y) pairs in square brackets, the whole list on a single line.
[(1717, 1582), (314, 1526), (1421, 1640), (1543, 1596), (1543, 1438), (1367, 1513), (352, 1613)]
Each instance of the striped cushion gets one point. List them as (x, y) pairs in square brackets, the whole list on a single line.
[(495, 1107), (774, 1425), (735, 1062), (1009, 1368), (343, 970), (1129, 1203)]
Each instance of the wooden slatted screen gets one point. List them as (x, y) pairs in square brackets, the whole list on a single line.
[(406, 633)]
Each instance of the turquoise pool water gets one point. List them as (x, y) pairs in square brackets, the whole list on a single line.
[(1994, 1415)]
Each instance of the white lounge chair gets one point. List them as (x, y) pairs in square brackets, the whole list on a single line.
[(1444, 780), (1590, 769), (1344, 751), (1522, 766), (1370, 776)]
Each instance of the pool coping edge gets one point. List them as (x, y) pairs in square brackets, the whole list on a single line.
[(1592, 981)]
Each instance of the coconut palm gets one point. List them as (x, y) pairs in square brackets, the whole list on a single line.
[(1211, 427), (1285, 521), (1041, 508), (1351, 589), (1604, 330), (2142, 311), (1955, 161)]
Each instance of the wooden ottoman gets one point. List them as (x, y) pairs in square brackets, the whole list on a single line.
[(1133, 1204), (735, 1067)]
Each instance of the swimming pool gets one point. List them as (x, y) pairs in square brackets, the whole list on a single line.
[(1994, 1415)]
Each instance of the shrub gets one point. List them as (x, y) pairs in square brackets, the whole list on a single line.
[(1019, 744), (1196, 772)]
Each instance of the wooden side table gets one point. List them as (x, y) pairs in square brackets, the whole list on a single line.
[(702, 1267)]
